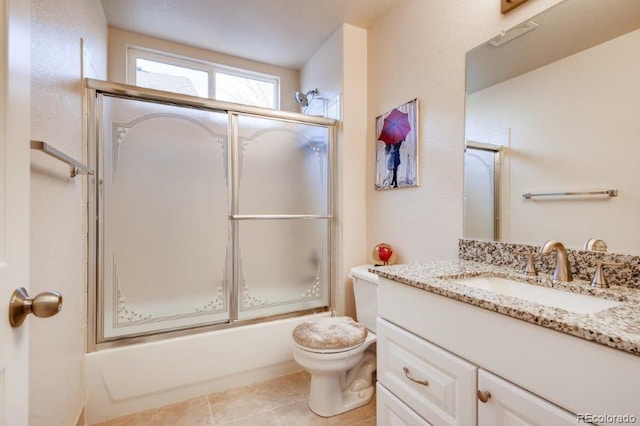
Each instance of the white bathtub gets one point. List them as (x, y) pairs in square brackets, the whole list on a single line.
[(129, 379)]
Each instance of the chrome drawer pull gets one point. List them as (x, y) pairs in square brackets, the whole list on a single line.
[(420, 382), (484, 396)]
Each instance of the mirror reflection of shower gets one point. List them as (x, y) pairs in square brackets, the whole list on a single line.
[(309, 107), (482, 175)]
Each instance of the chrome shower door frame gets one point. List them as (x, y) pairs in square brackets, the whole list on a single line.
[(95, 89)]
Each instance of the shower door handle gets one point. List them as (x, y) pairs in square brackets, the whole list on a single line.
[(45, 304)]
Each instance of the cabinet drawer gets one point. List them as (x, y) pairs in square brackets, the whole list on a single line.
[(390, 411), (437, 385)]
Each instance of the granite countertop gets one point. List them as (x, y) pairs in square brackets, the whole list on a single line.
[(617, 327)]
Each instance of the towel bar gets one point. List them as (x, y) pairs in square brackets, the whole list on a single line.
[(76, 166), (608, 192)]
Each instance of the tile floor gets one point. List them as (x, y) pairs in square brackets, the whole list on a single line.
[(277, 402)]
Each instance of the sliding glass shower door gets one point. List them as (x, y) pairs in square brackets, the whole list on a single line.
[(282, 216), (207, 216), (164, 214)]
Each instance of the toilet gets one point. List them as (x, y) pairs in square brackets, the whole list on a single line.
[(339, 353)]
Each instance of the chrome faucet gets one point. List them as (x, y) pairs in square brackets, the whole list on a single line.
[(563, 270)]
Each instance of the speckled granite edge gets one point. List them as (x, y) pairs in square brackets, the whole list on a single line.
[(617, 327), (583, 263)]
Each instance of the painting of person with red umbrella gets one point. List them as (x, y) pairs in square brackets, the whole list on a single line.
[(397, 147)]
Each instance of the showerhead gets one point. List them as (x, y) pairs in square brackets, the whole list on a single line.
[(303, 98)]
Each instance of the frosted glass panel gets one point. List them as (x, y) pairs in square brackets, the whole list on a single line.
[(283, 167), (479, 194), (164, 217), (284, 266), (183, 240)]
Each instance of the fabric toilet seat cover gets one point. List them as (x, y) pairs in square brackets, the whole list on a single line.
[(330, 333)]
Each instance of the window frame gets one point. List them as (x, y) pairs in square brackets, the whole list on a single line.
[(135, 52)]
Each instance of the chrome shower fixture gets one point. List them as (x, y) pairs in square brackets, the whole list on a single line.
[(304, 98)]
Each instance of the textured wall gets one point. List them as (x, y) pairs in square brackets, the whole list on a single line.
[(354, 156), (417, 49), (58, 209)]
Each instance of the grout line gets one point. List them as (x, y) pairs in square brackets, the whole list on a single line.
[(290, 403), (210, 412), (249, 416), (275, 417), (305, 377)]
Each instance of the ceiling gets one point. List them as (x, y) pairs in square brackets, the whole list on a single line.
[(285, 33), (564, 29)]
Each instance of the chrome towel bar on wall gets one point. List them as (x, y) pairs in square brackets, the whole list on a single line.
[(607, 192), (76, 166)]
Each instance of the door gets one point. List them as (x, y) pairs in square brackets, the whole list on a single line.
[(505, 404), (14, 204)]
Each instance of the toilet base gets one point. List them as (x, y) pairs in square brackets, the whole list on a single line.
[(328, 395), (350, 401)]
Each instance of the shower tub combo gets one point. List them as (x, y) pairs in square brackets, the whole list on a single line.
[(213, 238)]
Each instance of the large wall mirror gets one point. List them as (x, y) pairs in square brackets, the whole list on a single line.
[(557, 100)]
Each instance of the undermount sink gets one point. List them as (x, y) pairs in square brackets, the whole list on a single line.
[(572, 302)]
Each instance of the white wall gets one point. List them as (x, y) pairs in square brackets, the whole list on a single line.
[(58, 202), (339, 71), (417, 49), (354, 158), (573, 128), (119, 39), (323, 71)]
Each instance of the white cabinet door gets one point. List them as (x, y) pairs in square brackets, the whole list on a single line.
[(511, 405), (390, 411), (14, 204), (436, 384)]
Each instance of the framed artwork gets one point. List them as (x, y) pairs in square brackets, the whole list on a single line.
[(397, 147)]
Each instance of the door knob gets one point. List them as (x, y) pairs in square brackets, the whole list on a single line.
[(45, 304)]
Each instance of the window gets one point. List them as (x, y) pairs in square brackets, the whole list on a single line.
[(160, 71), (172, 78), (243, 89)]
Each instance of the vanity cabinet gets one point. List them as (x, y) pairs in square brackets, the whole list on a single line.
[(418, 380), (435, 354)]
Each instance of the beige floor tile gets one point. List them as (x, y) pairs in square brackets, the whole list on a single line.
[(306, 375), (194, 412), (278, 402), (299, 414), (368, 422), (254, 399), (262, 419)]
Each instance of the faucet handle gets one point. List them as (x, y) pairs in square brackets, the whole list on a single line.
[(599, 280), (530, 268), (595, 244)]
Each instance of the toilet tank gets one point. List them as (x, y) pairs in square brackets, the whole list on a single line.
[(365, 289)]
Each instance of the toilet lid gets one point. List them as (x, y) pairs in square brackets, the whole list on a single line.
[(330, 334)]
